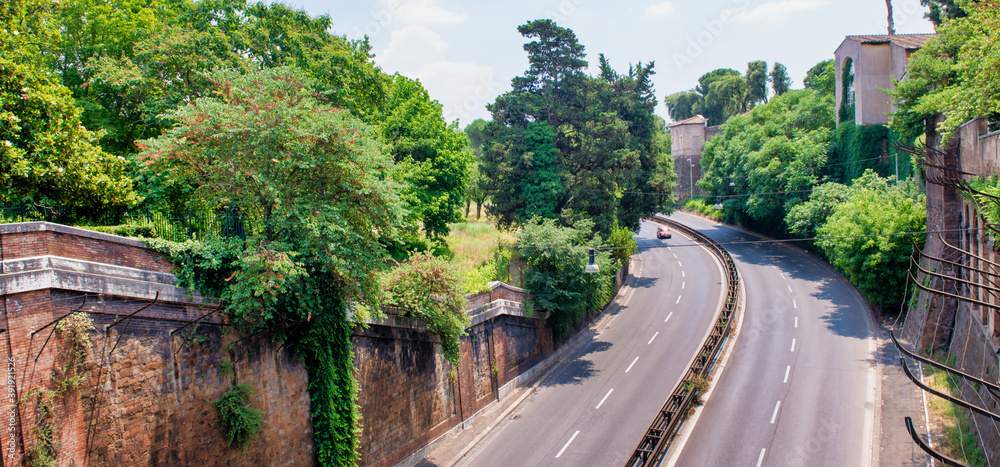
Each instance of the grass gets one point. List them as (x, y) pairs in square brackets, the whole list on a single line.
[(959, 440), (473, 242)]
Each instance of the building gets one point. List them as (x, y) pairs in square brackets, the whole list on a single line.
[(872, 62), (687, 139)]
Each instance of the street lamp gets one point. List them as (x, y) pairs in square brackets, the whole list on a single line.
[(691, 180), (592, 267)]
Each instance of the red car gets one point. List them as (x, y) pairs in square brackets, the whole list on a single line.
[(662, 232)]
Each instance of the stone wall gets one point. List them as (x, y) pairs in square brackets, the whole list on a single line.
[(968, 329), (410, 395), (149, 380)]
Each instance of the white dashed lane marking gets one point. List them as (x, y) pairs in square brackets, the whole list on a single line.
[(571, 438), (599, 404), (630, 364), (654, 337)]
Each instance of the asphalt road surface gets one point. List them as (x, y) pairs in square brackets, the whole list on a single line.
[(594, 409), (797, 389)]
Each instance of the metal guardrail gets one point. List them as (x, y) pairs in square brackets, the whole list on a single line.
[(653, 447)]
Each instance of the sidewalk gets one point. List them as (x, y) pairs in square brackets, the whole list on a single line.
[(900, 398)]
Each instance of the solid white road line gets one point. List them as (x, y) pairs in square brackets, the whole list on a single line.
[(796, 322), (793, 344), (630, 364), (678, 299), (668, 317), (599, 404), (787, 370), (760, 460), (774, 416), (654, 337), (571, 438)]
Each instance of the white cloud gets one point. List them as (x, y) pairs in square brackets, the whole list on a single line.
[(774, 12), (411, 47), (660, 9), (421, 12), (462, 88)]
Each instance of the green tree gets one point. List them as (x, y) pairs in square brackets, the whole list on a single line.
[(821, 77), (771, 155), (864, 240), (433, 157), (476, 189), (954, 74), (321, 185), (779, 79), (756, 90), (556, 257), (715, 107), (47, 158), (542, 188), (805, 218), (682, 105), (940, 11), (604, 130)]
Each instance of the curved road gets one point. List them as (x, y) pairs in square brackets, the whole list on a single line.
[(594, 409), (798, 387)]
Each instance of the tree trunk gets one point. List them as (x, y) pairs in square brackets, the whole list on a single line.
[(468, 201), (479, 209), (892, 26)]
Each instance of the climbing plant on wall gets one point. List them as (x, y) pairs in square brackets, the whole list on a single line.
[(321, 185)]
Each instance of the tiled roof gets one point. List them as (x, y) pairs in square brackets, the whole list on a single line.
[(695, 119), (909, 41)]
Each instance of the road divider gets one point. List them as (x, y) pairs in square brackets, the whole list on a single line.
[(686, 396)]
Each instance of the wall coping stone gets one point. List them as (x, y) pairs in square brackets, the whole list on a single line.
[(53, 272), (41, 226)]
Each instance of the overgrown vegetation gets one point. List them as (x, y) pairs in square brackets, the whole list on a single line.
[(870, 237), (240, 423), (556, 257), (429, 288), (40, 449), (959, 440)]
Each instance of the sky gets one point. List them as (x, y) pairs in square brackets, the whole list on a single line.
[(466, 53)]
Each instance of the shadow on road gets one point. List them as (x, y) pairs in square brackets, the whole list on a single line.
[(580, 369), (842, 320)]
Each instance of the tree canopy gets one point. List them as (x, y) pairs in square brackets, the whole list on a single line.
[(564, 145), (769, 155), (321, 185), (954, 74)]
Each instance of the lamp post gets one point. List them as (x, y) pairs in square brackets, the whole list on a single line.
[(691, 180)]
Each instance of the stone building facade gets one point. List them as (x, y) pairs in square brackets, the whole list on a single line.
[(688, 137), (874, 61)]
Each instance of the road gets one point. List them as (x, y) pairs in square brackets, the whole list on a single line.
[(594, 409), (798, 386)]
